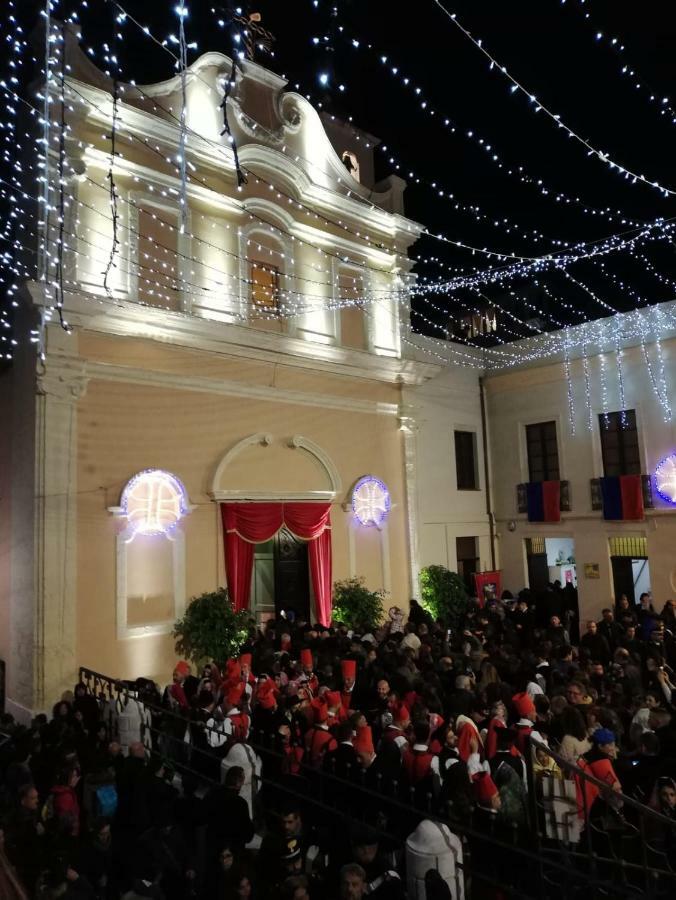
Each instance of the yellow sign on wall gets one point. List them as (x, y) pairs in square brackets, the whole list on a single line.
[(591, 570)]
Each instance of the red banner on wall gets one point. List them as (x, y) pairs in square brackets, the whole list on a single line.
[(488, 585)]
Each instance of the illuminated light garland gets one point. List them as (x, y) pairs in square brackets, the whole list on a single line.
[(472, 135), (587, 388), (500, 255), (201, 290), (663, 401), (271, 187), (221, 148), (39, 334), (659, 101), (370, 501), (243, 318), (58, 274), (558, 300), (492, 303), (273, 229), (569, 385), (551, 344), (660, 365), (603, 377), (620, 375), (153, 502), (665, 478), (628, 174), (613, 244), (589, 292), (111, 168), (438, 236), (182, 11), (540, 313), (518, 358), (596, 251)]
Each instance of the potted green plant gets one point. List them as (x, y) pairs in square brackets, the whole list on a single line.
[(443, 595), (211, 630), (355, 606)]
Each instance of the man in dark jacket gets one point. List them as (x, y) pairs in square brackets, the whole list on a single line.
[(343, 762), (25, 841), (611, 630), (595, 644), (227, 814)]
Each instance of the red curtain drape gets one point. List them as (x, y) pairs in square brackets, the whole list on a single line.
[(319, 552), (247, 524)]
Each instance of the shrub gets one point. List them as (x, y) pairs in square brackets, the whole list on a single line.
[(211, 629), (443, 595), (356, 606)]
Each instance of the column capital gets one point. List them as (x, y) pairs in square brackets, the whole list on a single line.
[(66, 384)]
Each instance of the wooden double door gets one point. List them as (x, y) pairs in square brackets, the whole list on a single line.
[(291, 576)]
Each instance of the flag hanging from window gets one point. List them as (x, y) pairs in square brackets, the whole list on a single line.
[(544, 501), (622, 497)]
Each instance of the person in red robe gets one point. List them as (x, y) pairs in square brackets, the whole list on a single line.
[(176, 690), (237, 723), (336, 710), (319, 739), (524, 728), (363, 744), (599, 764), (417, 760), (469, 738), (497, 721), (307, 664)]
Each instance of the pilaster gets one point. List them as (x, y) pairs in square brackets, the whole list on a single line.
[(58, 390), (409, 429)]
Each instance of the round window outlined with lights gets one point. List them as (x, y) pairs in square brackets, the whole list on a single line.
[(371, 501), (154, 502), (665, 478)]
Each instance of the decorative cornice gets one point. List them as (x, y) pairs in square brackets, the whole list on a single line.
[(230, 388), (129, 319)]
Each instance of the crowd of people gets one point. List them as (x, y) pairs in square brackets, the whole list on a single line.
[(298, 769)]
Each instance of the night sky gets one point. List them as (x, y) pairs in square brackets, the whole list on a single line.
[(551, 48)]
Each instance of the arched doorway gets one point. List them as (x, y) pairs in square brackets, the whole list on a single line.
[(277, 543)]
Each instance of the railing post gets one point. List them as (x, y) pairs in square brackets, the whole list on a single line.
[(533, 804)]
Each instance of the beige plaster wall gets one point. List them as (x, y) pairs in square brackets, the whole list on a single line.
[(123, 428), (539, 394)]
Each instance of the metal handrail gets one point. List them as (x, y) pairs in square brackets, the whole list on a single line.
[(542, 857), (537, 744), (582, 774)]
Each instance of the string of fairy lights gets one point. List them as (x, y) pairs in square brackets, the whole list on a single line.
[(490, 152), (538, 106), (658, 101), (163, 268), (117, 5)]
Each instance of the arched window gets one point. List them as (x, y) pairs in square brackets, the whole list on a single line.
[(352, 298), (267, 281)]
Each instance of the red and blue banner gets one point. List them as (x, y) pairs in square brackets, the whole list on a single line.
[(622, 497), (544, 501)]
